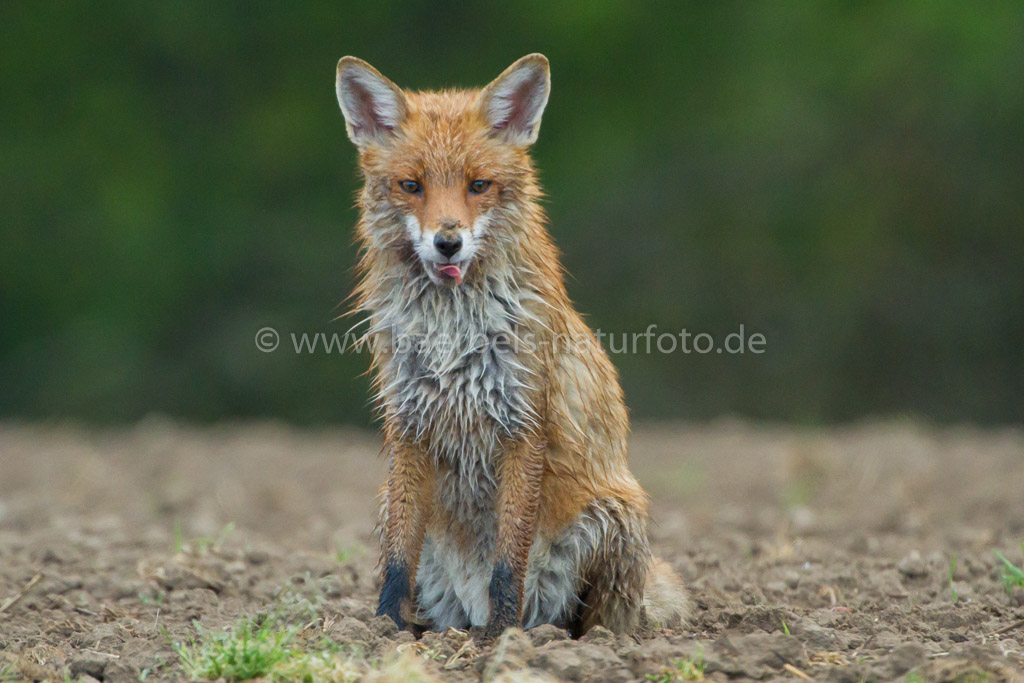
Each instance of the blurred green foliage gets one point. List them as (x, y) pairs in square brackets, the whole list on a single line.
[(846, 178)]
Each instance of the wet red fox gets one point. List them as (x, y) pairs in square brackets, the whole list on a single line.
[(509, 501)]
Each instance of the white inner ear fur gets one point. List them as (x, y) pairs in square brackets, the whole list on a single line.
[(370, 103), (515, 101)]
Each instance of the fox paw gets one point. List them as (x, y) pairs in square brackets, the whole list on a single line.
[(495, 627)]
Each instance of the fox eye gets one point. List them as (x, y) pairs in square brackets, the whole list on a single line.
[(479, 186), (410, 186)]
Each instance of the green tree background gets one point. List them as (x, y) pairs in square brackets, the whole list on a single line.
[(845, 178)]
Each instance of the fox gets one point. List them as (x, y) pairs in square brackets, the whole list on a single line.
[(508, 500)]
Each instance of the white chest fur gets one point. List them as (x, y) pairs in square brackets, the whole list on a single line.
[(455, 374)]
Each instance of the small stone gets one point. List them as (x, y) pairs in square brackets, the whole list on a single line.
[(256, 557), (912, 566)]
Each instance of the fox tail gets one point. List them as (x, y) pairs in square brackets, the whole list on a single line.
[(666, 601)]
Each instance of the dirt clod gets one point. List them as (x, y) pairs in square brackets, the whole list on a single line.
[(545, 633), (382, 627), (89, 664), (351, 630)]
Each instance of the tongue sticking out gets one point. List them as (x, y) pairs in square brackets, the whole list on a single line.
[(453, 272)]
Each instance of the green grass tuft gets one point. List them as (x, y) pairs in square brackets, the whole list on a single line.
[(201, 544), (1013, 576), (346, 553), (682, 669), (246, 650), (271, 649)]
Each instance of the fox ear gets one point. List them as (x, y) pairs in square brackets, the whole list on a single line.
[(373, 106), (513, 102)]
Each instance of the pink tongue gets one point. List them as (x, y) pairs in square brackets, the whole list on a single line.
[(452, 272)]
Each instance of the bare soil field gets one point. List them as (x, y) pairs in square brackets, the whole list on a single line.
[(848, 554)]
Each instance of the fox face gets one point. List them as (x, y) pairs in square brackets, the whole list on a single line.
[(448, 181)]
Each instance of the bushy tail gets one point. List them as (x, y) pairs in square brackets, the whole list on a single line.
[(666, 601)]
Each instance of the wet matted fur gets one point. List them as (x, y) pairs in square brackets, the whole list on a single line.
[(509, 501)]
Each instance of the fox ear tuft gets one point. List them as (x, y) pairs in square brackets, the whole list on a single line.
[(373, 106), (514, 101)]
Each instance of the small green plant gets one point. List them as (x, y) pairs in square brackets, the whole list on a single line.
[(682, 669), (204, 543), (158, 665), (952, 589), (913, 676), (301, 598), (158, 600), (785, 629), (200, 544), (249, 649), (271, 649), (344, 553), (1013, 576)]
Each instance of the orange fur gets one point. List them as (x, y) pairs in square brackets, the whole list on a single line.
[(561, 459)]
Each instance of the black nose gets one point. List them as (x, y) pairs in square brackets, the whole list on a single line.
[(448, 243)]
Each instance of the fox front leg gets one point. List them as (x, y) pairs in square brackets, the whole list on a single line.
[(407, 508), (518, 500)]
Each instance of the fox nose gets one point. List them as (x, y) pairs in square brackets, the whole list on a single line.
[(448, 243)]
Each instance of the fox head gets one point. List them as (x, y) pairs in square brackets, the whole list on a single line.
[(448, 181)]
